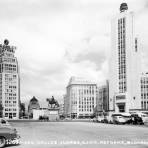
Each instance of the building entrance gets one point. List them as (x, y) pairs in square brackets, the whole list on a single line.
[(10, 115), (121, 107)]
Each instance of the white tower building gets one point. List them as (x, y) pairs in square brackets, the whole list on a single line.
[(9, 81), (124, 83)]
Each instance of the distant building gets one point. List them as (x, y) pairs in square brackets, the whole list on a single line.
[(102, 101), (22, 110), (9, 81), (33, 105), (66, 104), (46, 110), (124, 82), (61, 109), (80, 98), (144, 91)]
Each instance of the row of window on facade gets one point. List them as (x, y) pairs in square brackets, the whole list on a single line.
[(10, 114), (7, 60), (10, 94), (86, 106), (86, 102), (144, 105), (89, 110), (10, 109)]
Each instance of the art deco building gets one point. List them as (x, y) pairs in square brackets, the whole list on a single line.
[(80, 98), (9, 81), (124, 82)]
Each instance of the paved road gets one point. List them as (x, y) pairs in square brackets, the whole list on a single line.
[(79, 134)]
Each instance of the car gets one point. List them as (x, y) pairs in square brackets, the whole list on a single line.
[(67, 119), (139, 118), (118, 119), (144, 117), (4, 122), (136, 119), (109, 119), (8, 136), (127, 117), (94, 119), (100, 119), (105, 120)]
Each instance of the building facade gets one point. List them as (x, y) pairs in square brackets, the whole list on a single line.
[(124, 81), (80, 99), (33, 105), (65, 105), (9, 81), (144, 91), (61, 109), (102, 101)]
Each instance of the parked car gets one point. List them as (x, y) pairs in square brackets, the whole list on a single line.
[(4, 122), (139, 118), (127, 117), (8, 136), (144, 117), (105, 120), (93, 119), (67, 119), (136, 119), (118, 119), (109, 119), (100, 119)]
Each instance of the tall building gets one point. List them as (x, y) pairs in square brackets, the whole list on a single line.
[(80, 98), (144, 91), (9, 81), (124, 81)]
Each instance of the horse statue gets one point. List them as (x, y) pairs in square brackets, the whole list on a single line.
[(52, 103)]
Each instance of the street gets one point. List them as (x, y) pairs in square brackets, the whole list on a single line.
[(79, 134)]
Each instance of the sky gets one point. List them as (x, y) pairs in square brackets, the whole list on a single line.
[(57, 39)]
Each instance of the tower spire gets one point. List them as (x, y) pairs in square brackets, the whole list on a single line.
[(123, 7)]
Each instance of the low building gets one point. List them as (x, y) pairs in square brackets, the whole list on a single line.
[(48, 110), (33, 104), (52, 115), (80, 98)]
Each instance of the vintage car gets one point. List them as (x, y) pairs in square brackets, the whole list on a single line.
[(4, 122), (139, 118), (100, 119), (121, 118), (8, 135)]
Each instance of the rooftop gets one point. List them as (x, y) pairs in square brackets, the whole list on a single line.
[(80, 80)]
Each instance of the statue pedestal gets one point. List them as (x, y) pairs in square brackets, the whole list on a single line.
[(52, 114)]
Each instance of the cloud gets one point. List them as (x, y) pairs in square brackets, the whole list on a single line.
[(146, 4), (58, 39)]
